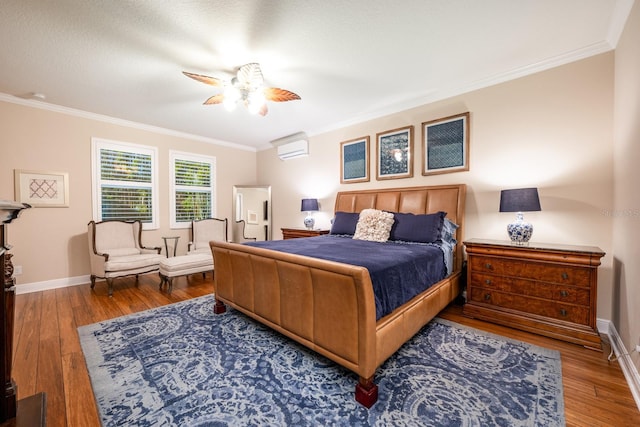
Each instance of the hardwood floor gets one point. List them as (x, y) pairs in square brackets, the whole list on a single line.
[(48, 357)]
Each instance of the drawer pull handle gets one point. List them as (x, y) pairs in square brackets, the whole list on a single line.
[(488, 266), (565, 276), (487, 297), (564, 294), (487, 281), (563, 312)]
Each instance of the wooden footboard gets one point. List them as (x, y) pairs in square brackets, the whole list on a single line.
[(324, 305), (327, 306)]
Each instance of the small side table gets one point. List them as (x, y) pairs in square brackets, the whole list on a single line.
[(175, 244), (294, 233)]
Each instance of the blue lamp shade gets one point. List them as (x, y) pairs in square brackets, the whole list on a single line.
[(520, 200), (309, 205)]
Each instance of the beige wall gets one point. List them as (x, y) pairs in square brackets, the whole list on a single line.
[(626, 220), (51, 243), (552, 130)]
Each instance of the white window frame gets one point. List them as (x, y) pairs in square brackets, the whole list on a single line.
[(98, 144), (192, 157)]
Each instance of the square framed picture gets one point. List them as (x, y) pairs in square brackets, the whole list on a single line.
[(354, 160), (395, 154), (445, 145), (252, 217), (42, 189)]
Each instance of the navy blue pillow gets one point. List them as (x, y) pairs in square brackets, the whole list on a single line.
[(417, 228), (345, 223)]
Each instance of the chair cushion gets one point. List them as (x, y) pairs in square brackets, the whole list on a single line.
[(205, 250), (132, 262), (186, 263)]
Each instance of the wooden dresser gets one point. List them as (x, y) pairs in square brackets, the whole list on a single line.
[(543, 288), (294, 233)]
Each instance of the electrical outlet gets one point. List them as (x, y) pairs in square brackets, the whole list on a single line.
[(17, 270), (638, 348)]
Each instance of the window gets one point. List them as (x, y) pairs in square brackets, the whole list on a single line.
[(192, 188), (124, 182)]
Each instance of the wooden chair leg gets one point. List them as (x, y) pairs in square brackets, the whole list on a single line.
[(110, 285), (93, 281)]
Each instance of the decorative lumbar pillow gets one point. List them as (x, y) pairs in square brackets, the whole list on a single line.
[(374, 225), (345, 223), (418, 228)]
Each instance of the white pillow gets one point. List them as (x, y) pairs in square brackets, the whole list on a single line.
[(374, 225)]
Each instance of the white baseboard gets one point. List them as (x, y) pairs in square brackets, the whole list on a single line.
[(52, 284), (624, 359)]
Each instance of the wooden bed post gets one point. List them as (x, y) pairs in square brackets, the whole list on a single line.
[(219, 307), (366, 392)]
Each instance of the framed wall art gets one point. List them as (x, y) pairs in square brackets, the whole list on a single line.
[(354, 160), (446, 145), (395, 153), (42, 189)]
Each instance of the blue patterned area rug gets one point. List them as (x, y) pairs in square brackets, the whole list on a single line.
[(182, 365)]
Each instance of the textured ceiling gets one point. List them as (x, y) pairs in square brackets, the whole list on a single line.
[(348, 60)]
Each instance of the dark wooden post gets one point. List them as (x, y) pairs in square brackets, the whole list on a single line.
[(9, 211)]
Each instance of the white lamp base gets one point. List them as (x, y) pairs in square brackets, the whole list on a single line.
[(520, 231), (309, 221)]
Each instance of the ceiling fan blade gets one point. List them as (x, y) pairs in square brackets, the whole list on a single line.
[(250, 75), (215, 99), (204, 79), (279, 95)]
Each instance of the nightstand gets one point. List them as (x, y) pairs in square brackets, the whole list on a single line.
[(542, 288), (294, 233)]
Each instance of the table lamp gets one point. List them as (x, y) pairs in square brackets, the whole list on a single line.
[(520, 200), (308, 206)]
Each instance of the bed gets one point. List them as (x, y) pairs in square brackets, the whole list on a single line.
[(330, 306)]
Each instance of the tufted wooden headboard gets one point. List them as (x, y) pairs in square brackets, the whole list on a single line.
[(416, 200)]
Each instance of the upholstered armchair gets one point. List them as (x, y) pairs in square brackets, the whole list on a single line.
[(205, 230), (238, 233), (116, 250)]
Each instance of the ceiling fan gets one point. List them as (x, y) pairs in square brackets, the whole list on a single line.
[(247, 87)]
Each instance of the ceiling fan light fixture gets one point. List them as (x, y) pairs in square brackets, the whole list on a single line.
[(247, 87)]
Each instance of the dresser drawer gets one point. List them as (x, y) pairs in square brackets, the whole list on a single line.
[(566, 275), (541, 307), (550, 291)]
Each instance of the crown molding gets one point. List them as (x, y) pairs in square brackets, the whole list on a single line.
[(445, 93), (119, 122)]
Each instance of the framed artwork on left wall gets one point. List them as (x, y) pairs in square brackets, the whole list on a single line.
[(42, 189)]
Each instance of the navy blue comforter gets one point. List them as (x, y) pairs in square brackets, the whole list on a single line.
[(398, 271)]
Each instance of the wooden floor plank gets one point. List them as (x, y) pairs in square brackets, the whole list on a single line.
[(50, 362), (69, 342), (595, 390), (78, 394), (28, 345)]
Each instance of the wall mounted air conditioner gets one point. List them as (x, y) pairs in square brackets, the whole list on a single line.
[(292, 146), (294, 149)]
